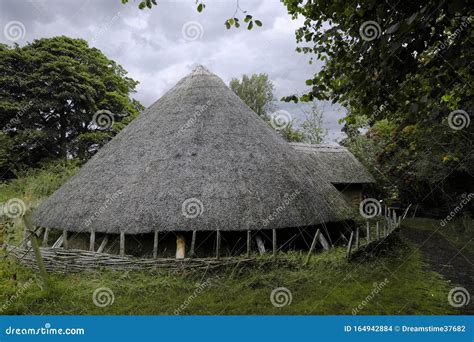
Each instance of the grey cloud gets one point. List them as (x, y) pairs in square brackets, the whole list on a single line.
[(151, 45)]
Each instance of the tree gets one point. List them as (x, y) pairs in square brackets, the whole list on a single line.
[(256, 91), (409, 63), (59, 98), (312, 130)]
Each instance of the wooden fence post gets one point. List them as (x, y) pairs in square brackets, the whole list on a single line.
[(218, 244), (193, 244), (122, 243), (155, 244), (349, 246), (45, 237), (274, 242), (368, 232), (34, 243), (249, 236), (65, 242), (92, 240)]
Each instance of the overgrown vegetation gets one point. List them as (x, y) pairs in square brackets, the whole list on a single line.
[(328, 285)]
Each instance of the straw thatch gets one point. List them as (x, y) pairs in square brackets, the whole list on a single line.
[(336, 163), (197, 159)]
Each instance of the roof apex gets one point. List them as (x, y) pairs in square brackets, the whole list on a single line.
[(201, 70)]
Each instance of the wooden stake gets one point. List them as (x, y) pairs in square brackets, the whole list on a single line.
[(343, 237), (155, 244), (260, 244), (274, 240), (249, 236), (193, 244), (34, 243), (323, 242), (122, 243), (349, 245), (368, 232), (103, 244), (65, 242), (180, 247), (92, 241), (313, 245), (45, 237), (218, 244)]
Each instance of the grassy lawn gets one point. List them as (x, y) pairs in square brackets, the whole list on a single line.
[(329, 285), (389, 280)]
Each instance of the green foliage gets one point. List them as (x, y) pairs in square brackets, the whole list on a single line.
[(50, 90), (290, 134), (256, 91), (413, 70)]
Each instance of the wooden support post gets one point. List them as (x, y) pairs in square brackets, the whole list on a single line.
[(313, 246), (385, 229), (260, 244), (92, 240), (357, 242), (193, 244), (249, 241), (218, 244), (45, 237), (349, 246), (274, 240), (155, 244), (58, 243), (323, 242), (343, 237), (65, 242), (122, 243), (180, 247), (103, 244), (368, 232), (377, 229)]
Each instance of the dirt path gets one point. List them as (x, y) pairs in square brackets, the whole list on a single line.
[(444, 258)]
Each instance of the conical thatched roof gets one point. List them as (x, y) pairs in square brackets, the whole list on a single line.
[(336, 163), (197, 159)]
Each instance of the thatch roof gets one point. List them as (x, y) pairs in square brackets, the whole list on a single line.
[(336, 163), (197, 159)]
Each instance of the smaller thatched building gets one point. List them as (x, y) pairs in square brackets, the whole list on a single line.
[(339, 167)]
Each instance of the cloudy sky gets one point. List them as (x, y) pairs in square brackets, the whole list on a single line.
[(160, 46)]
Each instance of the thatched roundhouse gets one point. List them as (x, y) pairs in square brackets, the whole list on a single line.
[(339, 167), (195, 167)]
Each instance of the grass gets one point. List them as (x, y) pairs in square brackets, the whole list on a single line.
[(389, 280)]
